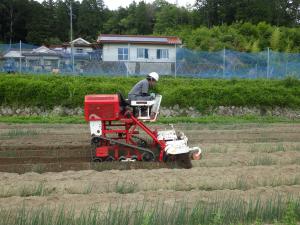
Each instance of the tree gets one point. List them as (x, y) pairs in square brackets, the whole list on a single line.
[(62, 25), (14, 17), (90, 19), (209, 11), (171, 16), (143, 20), (38, 25), (275, 39)]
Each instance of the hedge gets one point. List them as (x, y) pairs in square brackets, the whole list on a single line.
[(47, 91)]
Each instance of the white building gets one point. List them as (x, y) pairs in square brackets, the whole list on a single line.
[(80, 46), (141, 54)]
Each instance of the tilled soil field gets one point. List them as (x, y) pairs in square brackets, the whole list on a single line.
[(49, 165)]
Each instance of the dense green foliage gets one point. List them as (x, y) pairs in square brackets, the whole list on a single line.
[(49, 91), (239, 36), (208, 25)]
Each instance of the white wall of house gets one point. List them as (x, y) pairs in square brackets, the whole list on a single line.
[(79, 49), (110, 52)]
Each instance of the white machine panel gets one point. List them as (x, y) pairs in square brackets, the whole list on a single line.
[(177, 147), (176, 142), (166, 135), (96, 128)]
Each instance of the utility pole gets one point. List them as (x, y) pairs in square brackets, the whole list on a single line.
[(224, 62), (20, 59), (71, 36), (268, 63), (11, 26)]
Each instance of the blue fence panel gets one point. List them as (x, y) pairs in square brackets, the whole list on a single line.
[(222, 64)]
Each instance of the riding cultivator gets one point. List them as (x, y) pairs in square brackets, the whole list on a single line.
[(120, 134)]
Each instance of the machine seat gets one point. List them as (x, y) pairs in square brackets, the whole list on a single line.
[(147, 110)]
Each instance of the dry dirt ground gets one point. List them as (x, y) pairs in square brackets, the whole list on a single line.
[(243, 161)]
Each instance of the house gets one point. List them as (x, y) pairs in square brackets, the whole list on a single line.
[(80, 46), (52, 58), (42, 59), (12, 59), (140, 54), (59, 57), (83, 52)]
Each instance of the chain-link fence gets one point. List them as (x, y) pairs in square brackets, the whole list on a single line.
[(25, 58)]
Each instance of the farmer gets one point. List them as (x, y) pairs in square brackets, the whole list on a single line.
[(141, 89)]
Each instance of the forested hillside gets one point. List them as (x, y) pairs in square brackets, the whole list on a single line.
[(208, 25)]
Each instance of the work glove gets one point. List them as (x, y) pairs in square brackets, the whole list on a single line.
[(152, 95)]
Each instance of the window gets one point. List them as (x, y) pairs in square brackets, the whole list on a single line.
[(50, 62), (122, 53), (162, 54), (142, 53), (79, 50)]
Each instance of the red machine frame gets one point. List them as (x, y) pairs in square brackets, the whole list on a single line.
[(108, 110)]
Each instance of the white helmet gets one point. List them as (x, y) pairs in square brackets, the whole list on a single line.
[(154, 75)]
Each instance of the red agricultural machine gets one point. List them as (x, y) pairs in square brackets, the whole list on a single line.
[(119, 133)]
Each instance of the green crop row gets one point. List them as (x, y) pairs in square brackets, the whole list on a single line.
[(275, 210), (47, 91)]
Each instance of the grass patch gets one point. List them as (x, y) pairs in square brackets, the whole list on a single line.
[(5, 193), (38, 168), (127, 165), (262, 160), (8, 153), (232, 210), (295, 148), (296, 161), (19, 133), (279, 148), (212, 120), (217, 149), (87, 189), (264, 148), (125, 187), (179, 186), (38, 190), (276, 182), (241, 183)]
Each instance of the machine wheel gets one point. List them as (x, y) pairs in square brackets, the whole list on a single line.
[(134, 157), (141, 142), (97, 160), (95, 140), (147, 157), (184, 160), (122, 158), (110, 159)]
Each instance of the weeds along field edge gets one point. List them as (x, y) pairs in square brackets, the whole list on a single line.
[(207, 119), (277, 209)]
